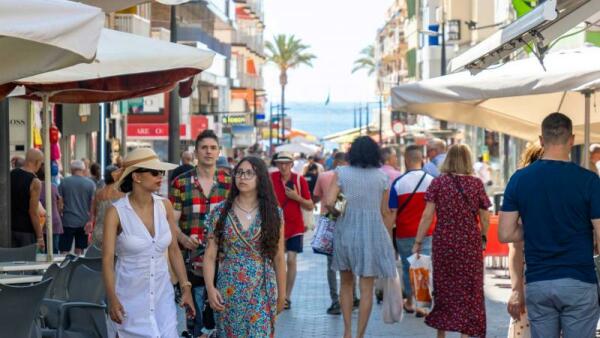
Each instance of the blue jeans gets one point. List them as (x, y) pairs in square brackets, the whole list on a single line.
[(566, 305), (405, 246), (198, 295)]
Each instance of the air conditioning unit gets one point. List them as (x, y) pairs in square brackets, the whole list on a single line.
[(542, 25)]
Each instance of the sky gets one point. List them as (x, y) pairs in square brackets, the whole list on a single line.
[(336, 31)]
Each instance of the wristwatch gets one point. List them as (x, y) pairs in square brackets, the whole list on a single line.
[(186, 283)]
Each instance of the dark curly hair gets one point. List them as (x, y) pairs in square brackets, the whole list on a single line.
[(267, 206), (364, 153)]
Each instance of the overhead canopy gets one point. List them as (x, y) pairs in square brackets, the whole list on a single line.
[(37, 36), (308, 149), (513, 98), (126, 66), (110, 6)]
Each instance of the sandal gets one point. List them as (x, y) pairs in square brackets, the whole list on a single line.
[(407, 310), (421, 314), (288, 304)]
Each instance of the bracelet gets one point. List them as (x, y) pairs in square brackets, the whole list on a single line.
[(186, 283)]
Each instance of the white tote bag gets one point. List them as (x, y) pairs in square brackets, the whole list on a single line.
[(392, 307)]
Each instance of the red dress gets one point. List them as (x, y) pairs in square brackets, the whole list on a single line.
[(459, 302)]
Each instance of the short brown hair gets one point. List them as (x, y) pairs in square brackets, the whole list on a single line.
[(458, 160), (556, 129), (207, 133)]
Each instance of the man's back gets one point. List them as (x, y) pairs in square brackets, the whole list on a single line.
[(20, 183), (556, 201), (77, 192)]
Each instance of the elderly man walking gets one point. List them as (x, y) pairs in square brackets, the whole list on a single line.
[(558, 203), (436, 152), (78, 193)]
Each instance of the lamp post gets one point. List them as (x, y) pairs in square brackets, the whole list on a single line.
[(380, 104), (174, 142)]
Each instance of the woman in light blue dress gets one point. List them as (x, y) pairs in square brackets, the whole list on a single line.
[(362, 243)]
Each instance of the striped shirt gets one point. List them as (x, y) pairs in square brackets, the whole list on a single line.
[(408, 219)]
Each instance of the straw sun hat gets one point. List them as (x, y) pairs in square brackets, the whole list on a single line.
[(140, 158)]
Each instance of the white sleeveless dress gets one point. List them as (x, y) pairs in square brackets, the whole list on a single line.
[(142, 279)]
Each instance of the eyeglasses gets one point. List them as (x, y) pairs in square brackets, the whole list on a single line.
[(247, 175), (152, 172)]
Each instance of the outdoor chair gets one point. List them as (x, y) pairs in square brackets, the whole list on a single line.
[(93, 252), (20, 306), (83, 314), (24, 253)]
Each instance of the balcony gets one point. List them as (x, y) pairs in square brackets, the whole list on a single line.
[(250, 81), (255, 7), (253, 42), (132, 23), (195, 33)]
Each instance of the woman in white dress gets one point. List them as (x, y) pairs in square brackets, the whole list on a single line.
[(140, 229)]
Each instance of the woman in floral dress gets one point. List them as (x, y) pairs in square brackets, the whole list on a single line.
[(245, 234), (458, 198)]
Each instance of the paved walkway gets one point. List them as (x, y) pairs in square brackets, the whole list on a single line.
[(310, 299)]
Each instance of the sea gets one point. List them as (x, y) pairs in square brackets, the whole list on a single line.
[(320, 119)]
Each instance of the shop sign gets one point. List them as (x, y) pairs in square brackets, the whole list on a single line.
[(159, 131), (234, 119)]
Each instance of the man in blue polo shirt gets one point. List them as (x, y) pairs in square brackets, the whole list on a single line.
[(558, 203)]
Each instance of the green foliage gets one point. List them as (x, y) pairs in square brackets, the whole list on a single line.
[(366, 61), (288, 52)]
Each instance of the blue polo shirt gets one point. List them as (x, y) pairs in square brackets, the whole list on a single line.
[(556, 201)]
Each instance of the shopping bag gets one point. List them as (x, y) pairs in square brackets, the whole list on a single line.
[(519, 328), (392, 307), (322, 242), (308, 217), (421, 280)]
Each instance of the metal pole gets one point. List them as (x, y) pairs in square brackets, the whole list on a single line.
[(354, 115), (443, 123), (367, 117), (47, 175), (380, 119), (102, 138), (173, 103), (270, 128), (282, 122), (359, 119), (586, 137), (254, 118), (5, 226)]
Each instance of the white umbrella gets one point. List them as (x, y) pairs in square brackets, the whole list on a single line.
[(128, 66), (307, 149), (513, 98), (41, 35), (110, 6)]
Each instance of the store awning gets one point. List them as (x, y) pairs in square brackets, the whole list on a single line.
[(513, 98), (110, 6), (38, 36)]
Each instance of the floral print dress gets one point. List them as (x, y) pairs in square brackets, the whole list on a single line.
[(245, 279), (459, 303)]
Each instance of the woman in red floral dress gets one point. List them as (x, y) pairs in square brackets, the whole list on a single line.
[(458, 199)]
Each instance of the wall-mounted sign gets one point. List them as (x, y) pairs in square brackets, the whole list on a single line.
[(453, 30), (235, 119), (155, 131)]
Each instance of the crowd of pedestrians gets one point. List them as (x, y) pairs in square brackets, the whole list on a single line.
[(225, 242)]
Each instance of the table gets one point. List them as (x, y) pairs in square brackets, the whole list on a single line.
[(43, 258), (19, 266), (8, 279)]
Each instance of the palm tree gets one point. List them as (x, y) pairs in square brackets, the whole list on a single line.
[(287, 52), (366, 61)]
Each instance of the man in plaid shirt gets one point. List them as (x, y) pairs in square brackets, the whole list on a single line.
[(194, 194)]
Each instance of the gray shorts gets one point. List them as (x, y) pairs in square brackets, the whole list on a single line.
[(566, 305)]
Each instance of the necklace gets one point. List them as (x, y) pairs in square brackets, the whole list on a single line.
[(247, 212)]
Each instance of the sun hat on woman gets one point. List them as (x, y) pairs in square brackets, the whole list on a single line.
[(140, 158)]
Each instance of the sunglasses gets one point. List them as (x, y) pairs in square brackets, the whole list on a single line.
[(152, 172)]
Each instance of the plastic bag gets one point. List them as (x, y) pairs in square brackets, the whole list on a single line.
[(392, 307), (519, 328), (421, 279)]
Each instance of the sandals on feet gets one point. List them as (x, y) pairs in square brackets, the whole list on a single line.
[(288, 304)]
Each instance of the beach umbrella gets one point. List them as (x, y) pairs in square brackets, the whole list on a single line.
[(515, 97), (38, 36), (127, 66), (308, 149)]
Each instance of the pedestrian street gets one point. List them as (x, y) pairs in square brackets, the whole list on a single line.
[(307, 317)]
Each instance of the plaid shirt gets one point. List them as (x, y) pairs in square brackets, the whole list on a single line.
[(187, 196)]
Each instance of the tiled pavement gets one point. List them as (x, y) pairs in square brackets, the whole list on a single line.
[(310, 299)]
